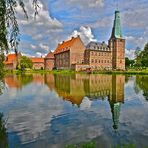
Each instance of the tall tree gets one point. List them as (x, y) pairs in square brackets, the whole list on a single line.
[(142, 57), (25, 62)]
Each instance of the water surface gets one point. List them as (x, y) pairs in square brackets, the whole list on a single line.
[(57, 110)]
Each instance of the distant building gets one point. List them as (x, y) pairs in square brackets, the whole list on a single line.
[(117, 44), (98, 56), (38, 63), (72, 54), (69, 52), (12, 61), (49, 61)]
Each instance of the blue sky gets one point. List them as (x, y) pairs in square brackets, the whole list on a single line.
[(58, 20)]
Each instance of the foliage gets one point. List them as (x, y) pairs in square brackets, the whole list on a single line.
[(25, 62), (9, 29), (1, 65), (126, 146), (142, 57), (91, 144), (129, 63), (3, 133)]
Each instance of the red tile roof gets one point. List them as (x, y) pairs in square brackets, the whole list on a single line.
[(10, 59), (37, 60), (50, 55), (65, 46)]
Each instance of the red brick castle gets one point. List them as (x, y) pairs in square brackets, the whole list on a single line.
[(73, 54)]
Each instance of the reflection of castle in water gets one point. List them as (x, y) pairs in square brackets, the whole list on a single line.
[(75, 88)]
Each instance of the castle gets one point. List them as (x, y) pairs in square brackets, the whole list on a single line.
[(73, 54)]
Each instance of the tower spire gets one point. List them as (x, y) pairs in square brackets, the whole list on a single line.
[(117, 5), (116, 31)]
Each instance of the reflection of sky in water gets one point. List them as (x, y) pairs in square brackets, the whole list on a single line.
[(38, 117)]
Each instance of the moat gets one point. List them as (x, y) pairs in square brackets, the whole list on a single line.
[(58, 110)]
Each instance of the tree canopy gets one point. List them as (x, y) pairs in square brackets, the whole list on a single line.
[(25, 62), (142, 57)]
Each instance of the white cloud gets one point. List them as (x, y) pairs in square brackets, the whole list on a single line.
[(87, 3), (43, 46), (85, 34), (40, 31), (130, 53)]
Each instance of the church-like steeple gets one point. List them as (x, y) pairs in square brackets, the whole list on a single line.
[(116, 31), (115, 109)]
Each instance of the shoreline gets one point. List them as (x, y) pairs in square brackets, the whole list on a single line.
[(129, 72)]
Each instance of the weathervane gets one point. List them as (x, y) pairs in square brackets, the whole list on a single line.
[(117, 4)]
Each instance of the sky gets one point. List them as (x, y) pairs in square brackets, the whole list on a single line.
[(59, 20)]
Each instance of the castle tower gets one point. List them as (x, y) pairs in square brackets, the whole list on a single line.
[(117, 98), (117, 44)]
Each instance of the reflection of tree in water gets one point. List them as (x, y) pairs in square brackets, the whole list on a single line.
[(142, 83), (1, 83), (1, 87), (3, 133)]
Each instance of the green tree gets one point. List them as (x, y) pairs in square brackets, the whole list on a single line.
[(25, 62), (128, 62), (142, 57), (1, 65)]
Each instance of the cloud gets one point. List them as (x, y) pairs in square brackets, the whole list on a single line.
[(139, 40), (130, 53), (85, 34), (54, 25), (87, 3), (37, 33)]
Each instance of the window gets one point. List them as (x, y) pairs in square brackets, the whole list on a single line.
[(95, 60), (92, 60)]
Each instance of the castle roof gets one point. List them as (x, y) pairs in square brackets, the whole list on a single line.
[(65, 45), (116, 31), (37, 60), (98, 46), (50, 55), (11, 58)]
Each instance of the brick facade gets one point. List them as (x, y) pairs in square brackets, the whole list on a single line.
[(118, 53), (49, 61), (38, 63), (98, 56), (69, 52), (12, 61)]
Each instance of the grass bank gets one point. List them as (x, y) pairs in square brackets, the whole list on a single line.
[(129, 72), (93, 144)]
